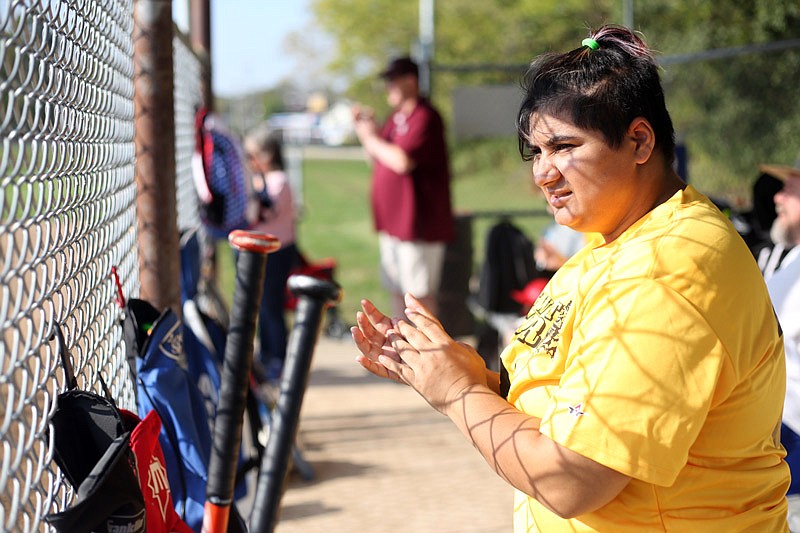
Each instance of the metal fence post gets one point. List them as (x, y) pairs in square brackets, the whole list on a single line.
[(154, 123), (200, 37)]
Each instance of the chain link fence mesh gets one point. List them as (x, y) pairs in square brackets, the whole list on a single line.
[(67, 217), (188, 98)]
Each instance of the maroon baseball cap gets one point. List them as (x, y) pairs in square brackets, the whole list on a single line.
[(400, 67)]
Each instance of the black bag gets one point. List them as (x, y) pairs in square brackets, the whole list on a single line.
[(113, 460), (508, 266), (92, 449), (101, 468)]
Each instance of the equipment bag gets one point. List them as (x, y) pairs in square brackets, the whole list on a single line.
[(508, 266), (113, 460), (221, 178), (167, 376)]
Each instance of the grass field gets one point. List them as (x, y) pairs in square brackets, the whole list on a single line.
[(488, 180)]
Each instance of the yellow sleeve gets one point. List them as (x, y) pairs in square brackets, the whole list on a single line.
[(640, 374)]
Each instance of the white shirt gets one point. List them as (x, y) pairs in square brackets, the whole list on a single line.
[(784, 289)]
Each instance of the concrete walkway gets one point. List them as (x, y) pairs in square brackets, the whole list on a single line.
[(384, 461)]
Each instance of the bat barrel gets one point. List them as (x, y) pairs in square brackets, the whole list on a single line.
[(314, 295)]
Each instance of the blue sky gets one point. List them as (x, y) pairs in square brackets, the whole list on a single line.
[(247, 41)]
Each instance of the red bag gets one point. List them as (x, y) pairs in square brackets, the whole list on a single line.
[(152, 470)]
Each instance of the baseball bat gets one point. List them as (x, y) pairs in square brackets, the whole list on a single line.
[(252, 248), (313, 295)]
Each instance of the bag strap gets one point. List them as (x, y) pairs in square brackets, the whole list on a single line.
[(66, 362), (106, 390)]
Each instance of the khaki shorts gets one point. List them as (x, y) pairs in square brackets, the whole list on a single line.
[(411, 266)]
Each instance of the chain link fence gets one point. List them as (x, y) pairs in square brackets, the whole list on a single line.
[(188, 98), (67, 217)]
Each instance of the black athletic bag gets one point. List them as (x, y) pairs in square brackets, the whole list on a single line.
[(113, 461)]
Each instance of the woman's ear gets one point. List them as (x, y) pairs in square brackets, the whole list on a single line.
[(643, 137)]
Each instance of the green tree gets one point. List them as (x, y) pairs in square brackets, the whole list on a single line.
[(468, 33), (739, 110), (733, 113)]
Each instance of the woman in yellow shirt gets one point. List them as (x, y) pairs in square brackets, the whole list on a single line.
[(644, 390)]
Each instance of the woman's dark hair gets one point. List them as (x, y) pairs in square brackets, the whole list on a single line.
[(602, 87)]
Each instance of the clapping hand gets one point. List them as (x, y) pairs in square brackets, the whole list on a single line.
[(420, 354)]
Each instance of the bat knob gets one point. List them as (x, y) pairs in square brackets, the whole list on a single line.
[(318, 289), (253, 241)]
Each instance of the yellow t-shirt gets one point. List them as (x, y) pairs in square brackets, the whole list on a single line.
[(659, 356)]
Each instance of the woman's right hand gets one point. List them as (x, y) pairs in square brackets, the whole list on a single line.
[(370, 337)]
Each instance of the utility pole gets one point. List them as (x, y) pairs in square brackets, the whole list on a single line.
[(627, 13), (426, 38), (200, 39)]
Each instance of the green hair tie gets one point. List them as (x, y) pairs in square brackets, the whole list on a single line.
[(591, 43)]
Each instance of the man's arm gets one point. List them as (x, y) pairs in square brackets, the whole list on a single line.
[(388, 154)]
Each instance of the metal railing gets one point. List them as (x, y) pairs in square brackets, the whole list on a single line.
[(67, 217)]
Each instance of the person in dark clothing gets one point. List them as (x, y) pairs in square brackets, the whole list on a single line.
[(762, 214)]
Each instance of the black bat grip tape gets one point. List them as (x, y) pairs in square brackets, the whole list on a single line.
[(313, 295), (251, 261)]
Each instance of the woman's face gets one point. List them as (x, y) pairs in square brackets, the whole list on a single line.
[(590, 186), (258, 161)]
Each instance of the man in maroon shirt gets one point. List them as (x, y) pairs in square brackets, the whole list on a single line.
[(410, 186)]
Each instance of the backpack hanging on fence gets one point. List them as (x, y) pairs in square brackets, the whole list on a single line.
[(169, 377), (221, 178), (114, 462)]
